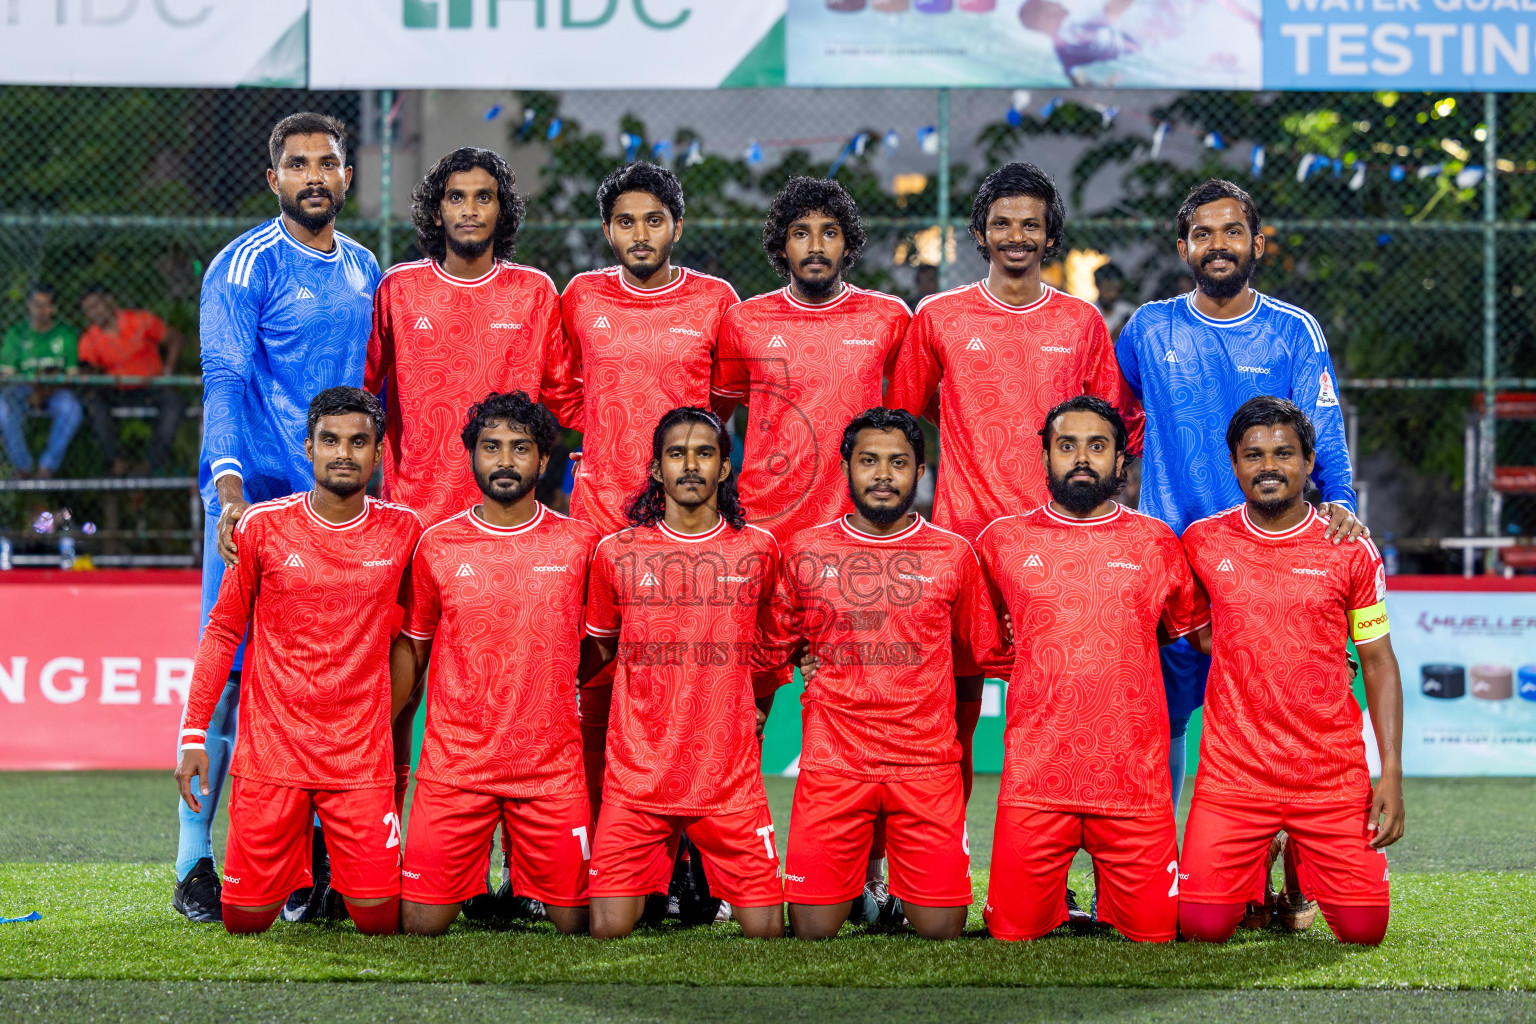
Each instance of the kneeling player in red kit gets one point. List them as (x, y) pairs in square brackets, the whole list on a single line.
[(681, 600), (890, 604), (1283, 745), (496, 602), (1091, 588), (318, 581)]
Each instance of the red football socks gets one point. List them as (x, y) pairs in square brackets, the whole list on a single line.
[(1209, 922), (380, 919), (244, 921)]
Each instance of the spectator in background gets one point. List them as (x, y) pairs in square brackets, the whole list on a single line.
[(127, 343), (39, 345), (1110, 281)]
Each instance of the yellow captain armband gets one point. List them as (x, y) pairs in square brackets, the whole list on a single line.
[(1367, 624)]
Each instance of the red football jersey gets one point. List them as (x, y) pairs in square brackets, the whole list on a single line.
[(629, 357), (1002, 368), (1087, 721), (885, 617), (691, 614), (503, 608), (804, 372), (439, 345), (322, 601), (1281, 719)]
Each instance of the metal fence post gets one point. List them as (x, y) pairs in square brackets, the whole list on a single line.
[(386, 174), (943, 210), (1489, 447)]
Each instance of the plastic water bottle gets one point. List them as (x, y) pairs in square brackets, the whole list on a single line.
[(66, 540), (1389, 559), (5, 553)]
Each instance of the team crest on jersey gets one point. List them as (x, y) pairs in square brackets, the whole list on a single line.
[(829, 572), (294, 562), (1170, 358), (464, 570), (975, 345), (1034, 562), (423, 324), (777, 341), (602, 324), (1225, 566), (650, 580), (304, 293), (1326, 396)]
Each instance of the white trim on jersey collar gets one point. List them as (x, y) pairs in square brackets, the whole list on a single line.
[(443, 275), (690, 538), (1046, 291), (683, 273), (857, 534), (1258, 300), (336, 527), (1095, 521), (329, 257), (506, 531), (842, 297), (1259, 531)]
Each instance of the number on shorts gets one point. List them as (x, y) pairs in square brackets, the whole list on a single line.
[(766, 832), (393, 821), (965, 838), (1173, 869), (581, 837)]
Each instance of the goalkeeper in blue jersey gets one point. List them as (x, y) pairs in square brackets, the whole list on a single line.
[(285, 313), (1192, 360)]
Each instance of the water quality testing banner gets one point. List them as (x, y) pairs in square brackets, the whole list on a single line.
[(1186, 44), (540, 44), (1467, 651), (210, 43)]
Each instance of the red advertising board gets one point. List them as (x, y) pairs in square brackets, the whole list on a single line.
[(94, 667)]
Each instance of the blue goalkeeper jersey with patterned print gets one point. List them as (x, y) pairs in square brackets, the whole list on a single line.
[(1192, 372), (279, 323)]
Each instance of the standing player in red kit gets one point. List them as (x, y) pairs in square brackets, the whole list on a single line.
[(679, 601), (639, 340), (447, 330), (1091, 587), (889, 604), (318, 580), (496, 601), (1282, 746), (1005, 350)]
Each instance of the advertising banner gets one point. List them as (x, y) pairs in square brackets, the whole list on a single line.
[(536, 44), (154, 42), (94, 668), (1468, 659), (1211, 44)]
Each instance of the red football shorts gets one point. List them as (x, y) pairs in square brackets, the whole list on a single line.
[(1136, 869), (833, 825), (634, 852), (1225, 845), (271, 828), (549, 845)]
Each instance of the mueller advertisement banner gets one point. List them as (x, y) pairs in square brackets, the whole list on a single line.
[(1468, 660), (538, 44), (94, 673), (154, 42)]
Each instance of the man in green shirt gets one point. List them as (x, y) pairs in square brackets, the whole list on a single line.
[(40, 345)]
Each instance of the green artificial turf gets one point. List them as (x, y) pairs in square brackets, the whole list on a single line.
[(215, 1002)]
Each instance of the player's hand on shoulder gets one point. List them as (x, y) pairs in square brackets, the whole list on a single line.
[(1387, 812), (1342, 523), (194, 764), (229, 518)]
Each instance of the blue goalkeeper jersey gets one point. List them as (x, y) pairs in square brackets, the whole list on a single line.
[(280, 322), (1191, 373)]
